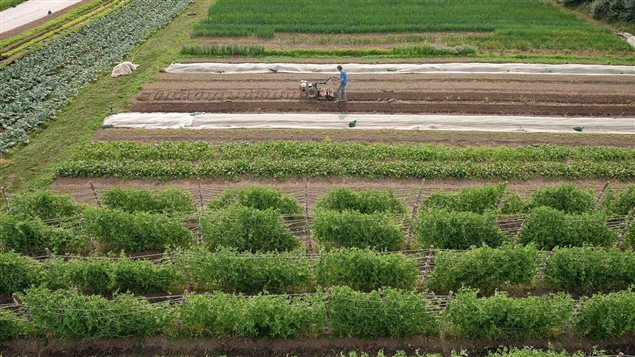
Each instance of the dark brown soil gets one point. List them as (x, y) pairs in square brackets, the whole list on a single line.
[(555, 95), (387, 136), (318, 347)]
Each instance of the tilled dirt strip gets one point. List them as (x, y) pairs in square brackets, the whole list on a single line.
[(311, 346), (515, 94), (386, 136)]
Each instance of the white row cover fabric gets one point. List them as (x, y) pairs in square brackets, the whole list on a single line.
[(123, 69), (370, 121), (355, 68)]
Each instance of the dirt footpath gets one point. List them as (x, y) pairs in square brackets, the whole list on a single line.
[(557, 95)]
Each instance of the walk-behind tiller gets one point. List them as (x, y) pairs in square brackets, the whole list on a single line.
[(314, 90)]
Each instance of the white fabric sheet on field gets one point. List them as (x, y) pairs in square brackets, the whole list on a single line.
[(370, 121), (403, 68)]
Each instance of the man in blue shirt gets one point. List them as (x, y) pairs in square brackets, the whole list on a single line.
[(340, 95)]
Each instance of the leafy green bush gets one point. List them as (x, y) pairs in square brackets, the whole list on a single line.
[(613, 10), (18, 272), (587, 270), (367, 270), (354, 229), (457, 230), (630, 235), (621, 203), (103, 275), (220, 315), (382, 313), (500, 316), (567, 198), (549, 228), (486, 269), (514, 204), (472, 199), (44, 205), (117, 230), (257, 197), (606, 316), (134, 200), (69, 314), (246, 229), (366, 201), (13, 326), (32, 237), (245, 272), (530, 352)]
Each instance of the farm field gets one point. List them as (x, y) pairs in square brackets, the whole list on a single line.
[(316, 242)]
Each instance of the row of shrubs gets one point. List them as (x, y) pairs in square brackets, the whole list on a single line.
[(340, 312), (579, 271), (255, 219)]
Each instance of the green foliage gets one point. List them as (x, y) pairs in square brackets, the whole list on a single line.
[(133, 200), (45, 205), (457, 230), (366, 201), (246, 229), (117, 230), (606, 316), (354, 229), (613, 10), (246, 272), (486, 269), (387, 312), (567, 198), (69, 314), (32, 237), (472, 199), (630, 234), (530, 352), (512, 203), (500, 316), (367, 270), (18, 272), (549, 228), (220, 315), (257, 197), (13, 326), (621, 203), (284, 159), (105, 276), (587, 270)]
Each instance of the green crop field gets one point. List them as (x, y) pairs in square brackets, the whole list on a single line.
[(487, 24)]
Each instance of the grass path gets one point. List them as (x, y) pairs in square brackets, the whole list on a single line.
[(32, 165)]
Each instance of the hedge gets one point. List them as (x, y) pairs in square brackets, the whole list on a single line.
[(588, 269), (500, 316), (364, 201), (382, 313), (333, 229), (246, 272), (549, 228), (106, 276), (367, 270), (18, 272), (457, 230), (44, 205), (473, 199), (32, 237), (606, 316), (116, 230), (567, 198), (486, 269), (246, 229), (257, 197), (69, 314), (221, 315), (135, 200)]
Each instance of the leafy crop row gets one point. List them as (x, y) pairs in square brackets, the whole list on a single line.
[(338, 312), (35, 86)]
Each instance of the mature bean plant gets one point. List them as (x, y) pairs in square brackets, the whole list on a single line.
[(606, 316), (13, 326), (170, 200), (48, 206), (259, 198), (486, 269), (363, 201), (246, 272), (247, 229), (619, 203), (477, 200), (567, 198), (457, 230), (18, 272), (32, 237), (367, 270)]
